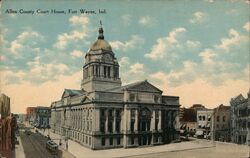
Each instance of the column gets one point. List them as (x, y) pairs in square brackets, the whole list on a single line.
[(159, 124), (152, 126), (136, 120), (114, 122), (106, 121)]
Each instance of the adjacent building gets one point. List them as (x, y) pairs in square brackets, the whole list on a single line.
[(8, 125), (222, 123), (204, 127), (42, 115), (30, 114), (104, 114), (188, 119), (240, 119)]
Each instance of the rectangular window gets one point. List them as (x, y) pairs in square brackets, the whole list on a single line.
[(86, 138), (132, 125), (108, 72), (105, 71), (118, 141), (132, 97), (110, 113), (218, 118), (102, 126), (110, 141), (89, 140), (224, 118), (132, 140), (102, 112), (156, 124), (110, 126), (118, 114), (117, 126), (132, 114), (103, 141)]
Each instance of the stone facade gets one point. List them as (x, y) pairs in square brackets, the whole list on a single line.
[(103, 114), (240, 111), (222, 123)]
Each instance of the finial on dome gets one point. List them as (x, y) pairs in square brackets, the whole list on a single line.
[(100, 36)]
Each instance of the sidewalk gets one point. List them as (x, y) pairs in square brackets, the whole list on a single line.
[(82, 152), (19, 149)]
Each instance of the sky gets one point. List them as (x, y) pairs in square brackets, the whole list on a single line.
[(195, 49)]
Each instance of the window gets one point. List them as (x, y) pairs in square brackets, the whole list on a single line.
[(105, 71), (132, 114), (117, 126), (118, 141), (110, 113), (89, 140), (108, 72), (110, 141), (118, 114), (86, 138), (224, 118), (132, 140), (132, 125), (102, 126), (217, 126), (103, 141), (102, 112), (204, 118), (110, 126), (200, 117), (218, 119), (156, 124)]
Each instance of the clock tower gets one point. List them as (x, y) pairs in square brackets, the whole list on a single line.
[(101, 68)]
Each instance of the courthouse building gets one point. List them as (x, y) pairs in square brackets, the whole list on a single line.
[(105, 114)]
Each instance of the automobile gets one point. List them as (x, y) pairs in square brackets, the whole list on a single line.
[(52, 146), (27, 132)]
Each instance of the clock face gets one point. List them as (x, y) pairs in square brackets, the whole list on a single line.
[(107, 57)]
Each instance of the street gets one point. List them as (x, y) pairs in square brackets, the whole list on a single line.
[(34, 145)]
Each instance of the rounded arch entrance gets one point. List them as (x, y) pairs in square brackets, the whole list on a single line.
[(144, 122)]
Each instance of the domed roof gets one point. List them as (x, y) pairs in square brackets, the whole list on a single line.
[(100, 44)]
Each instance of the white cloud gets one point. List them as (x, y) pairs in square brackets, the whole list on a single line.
[(193, 44), (207, 56), (137, 68), (147, 21), (126, 19), (160, 49), (79, 20), (247, 26), (65, 38), (234, 39), (197, 18), (130, 44), (24, 41), (124, 61), (77, 54), (172, 38), (76, 34)]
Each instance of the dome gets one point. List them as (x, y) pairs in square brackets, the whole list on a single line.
[(100, 44)]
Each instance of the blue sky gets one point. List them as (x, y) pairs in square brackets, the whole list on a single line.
[(198, 50)]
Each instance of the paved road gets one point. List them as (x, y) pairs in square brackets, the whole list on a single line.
[(34, 146)]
